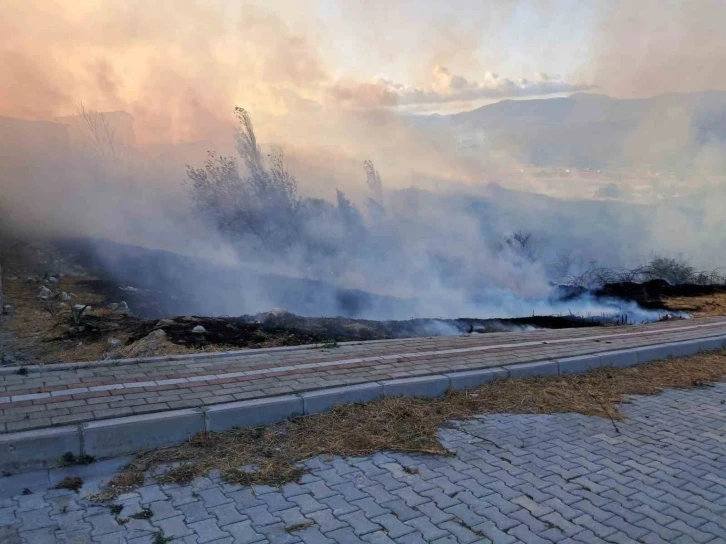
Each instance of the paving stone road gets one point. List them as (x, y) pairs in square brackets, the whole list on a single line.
[(660, 477)]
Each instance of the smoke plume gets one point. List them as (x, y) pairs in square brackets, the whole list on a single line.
[(334, 88)]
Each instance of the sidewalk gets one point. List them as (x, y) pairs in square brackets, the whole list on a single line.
[(117, 407)]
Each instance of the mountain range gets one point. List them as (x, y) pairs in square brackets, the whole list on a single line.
[(671, 132)]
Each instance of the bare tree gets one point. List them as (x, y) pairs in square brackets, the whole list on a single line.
[(373, 179), (376, 209), (521, 244), (98, 132), (264, 202)]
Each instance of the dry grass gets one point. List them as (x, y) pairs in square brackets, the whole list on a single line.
[(272, 454), (38, 325), (73, 483), (703, 306)]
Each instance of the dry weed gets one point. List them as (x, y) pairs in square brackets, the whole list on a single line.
[(701, 306)]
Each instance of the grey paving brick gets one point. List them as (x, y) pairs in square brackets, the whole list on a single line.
[(345, 536), (378, 537), (312, 535), (277, 534), (554, 519), (163, 509), (379, 493), (534, 508), (493, 514), (260, 516), (370, 507), (522, 533), (429, 532), (623, 526), (194, 511), (339, 505), (227, 514), (359, 523), (276, 502), (401, 510), (208, 531), (326, 521), (460, 532), (661, 531), (349, 491), (319, 490), (393, 526), (173, 527), (692, 532), (410, 497)]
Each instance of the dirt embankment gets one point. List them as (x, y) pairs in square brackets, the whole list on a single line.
[(60, 312), (700, 300)]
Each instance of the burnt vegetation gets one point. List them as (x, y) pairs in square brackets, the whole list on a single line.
[(292, 330)]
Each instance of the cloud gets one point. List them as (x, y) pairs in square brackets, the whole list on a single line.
[(447, 87)]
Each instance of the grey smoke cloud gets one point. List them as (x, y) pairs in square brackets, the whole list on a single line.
[(179, 67)]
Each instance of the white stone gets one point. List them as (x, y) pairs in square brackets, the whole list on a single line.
[(44, 293)]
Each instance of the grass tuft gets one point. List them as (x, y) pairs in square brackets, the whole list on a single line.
[(74, 483)]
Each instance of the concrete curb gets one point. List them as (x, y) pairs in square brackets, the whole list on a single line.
[(323, 400), (253, 413), (120, 436), (474, 378), (420, 386), (37, 447), (123, 435), (578, 364), (530, 370)]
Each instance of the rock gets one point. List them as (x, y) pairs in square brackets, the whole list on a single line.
[(275, 312), (9, 359), (44, 293), (112, 349), (81, 307), (65, 297), (147, 345), (53, 279), (119, 307), (199, 330), (163, 323), (8, 309)]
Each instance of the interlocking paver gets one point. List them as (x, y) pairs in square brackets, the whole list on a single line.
[(505, 491)]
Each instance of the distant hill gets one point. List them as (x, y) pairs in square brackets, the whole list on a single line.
[(670, 132)]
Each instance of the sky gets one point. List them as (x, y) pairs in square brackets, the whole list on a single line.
[(179, 66)]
